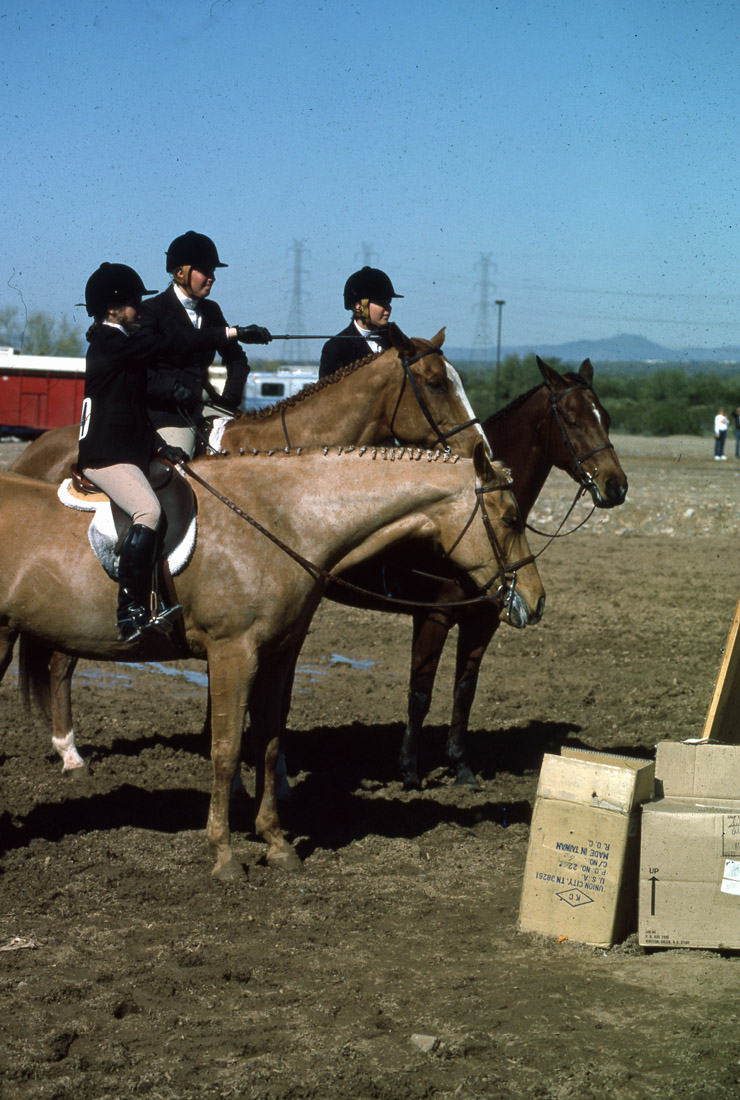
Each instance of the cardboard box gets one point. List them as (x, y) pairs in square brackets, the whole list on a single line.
[(697, 769), (580, 879), (690, 850)]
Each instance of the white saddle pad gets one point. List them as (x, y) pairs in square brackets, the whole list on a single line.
[(103, 537)]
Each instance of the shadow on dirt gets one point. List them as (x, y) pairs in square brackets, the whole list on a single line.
[(356, 752), (345, 786), (127, 806)]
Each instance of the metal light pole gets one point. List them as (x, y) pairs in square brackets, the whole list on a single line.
[(500, 304)]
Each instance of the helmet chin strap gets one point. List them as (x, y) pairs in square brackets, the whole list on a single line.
[(182, 278)]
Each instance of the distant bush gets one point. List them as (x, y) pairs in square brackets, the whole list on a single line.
[(671, 401), (39, 334)]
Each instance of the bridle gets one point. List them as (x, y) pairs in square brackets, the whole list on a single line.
[(582, 476), (408, 376), (503, 593), (585, 480)]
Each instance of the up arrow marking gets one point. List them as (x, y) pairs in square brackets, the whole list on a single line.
[(653, 880)]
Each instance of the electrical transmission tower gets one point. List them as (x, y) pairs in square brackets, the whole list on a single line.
[(295, 323), (483, 335), (368, 254)]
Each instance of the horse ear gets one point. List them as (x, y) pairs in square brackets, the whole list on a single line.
[(586, 372), (398, 339), (482, 462), (438, 340), (551, 376)]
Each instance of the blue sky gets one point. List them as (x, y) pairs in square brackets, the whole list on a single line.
[(588, 150)]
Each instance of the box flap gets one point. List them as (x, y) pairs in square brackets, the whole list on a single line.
[(601, 779)]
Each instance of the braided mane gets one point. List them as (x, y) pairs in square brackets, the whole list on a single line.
[(308, 390), (515, 404)]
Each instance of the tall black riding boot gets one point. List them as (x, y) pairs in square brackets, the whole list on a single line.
[(135, 566)]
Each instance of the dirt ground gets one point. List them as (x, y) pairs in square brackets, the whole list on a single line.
[(391, 968)]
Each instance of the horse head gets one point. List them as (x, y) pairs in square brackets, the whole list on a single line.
[(433, 383), (578, 437)]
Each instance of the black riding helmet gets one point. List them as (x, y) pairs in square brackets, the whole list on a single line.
[(193, 249), (112, 285), (368, 283)]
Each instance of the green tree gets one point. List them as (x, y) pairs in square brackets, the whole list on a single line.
[(39, 334)]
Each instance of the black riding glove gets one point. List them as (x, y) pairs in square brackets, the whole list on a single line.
[(173, 454), (185, 398), (253, 334)]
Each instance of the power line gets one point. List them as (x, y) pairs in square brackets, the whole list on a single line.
[(295, 321), (483, 336)]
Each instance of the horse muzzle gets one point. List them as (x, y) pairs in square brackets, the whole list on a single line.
[(517, 612), (611, 495)]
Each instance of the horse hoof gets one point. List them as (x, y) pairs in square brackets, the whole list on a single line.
[(230, 871), (286, 859)]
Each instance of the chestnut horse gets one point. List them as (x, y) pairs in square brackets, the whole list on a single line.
[(560, 423), (410, 392), (247, 602)]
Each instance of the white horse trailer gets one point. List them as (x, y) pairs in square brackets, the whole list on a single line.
[(264, 388)]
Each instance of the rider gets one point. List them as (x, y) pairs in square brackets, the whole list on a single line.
[(179, 390), (117, 441), (368, 294)]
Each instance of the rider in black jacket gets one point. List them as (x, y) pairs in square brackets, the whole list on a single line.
[(118, 442), (178, 386), (368, 294)]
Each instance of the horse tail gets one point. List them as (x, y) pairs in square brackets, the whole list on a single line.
[(33, 674)]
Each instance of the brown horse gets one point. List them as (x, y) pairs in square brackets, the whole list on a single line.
[(560, 423), (247, 603), (410, 392)]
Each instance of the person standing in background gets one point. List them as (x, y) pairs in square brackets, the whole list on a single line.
[(721, 424)]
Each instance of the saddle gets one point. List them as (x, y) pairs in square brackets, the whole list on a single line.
[(179, 522)]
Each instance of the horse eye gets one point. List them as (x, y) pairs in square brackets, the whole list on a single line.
[(437, 387)]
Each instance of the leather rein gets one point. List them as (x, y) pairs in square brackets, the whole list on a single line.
[(318, 571)]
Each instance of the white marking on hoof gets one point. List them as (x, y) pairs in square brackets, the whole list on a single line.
[(67, 749)]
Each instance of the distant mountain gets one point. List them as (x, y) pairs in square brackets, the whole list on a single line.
[(627, 348)]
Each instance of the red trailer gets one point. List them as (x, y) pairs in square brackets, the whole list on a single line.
[(39, 391)]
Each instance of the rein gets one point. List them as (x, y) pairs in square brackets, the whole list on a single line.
[(318, 571)]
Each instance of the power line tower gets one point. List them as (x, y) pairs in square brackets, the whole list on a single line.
[(295, 324), (368, 254), (483, 335)]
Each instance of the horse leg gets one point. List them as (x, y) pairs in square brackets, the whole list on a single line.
[(429, 637), (268, 706), (61, 669), (231, 671), (283, 788), (476, 628), (7, 641)]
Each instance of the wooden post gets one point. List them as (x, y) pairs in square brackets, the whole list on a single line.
[(723, 717)]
